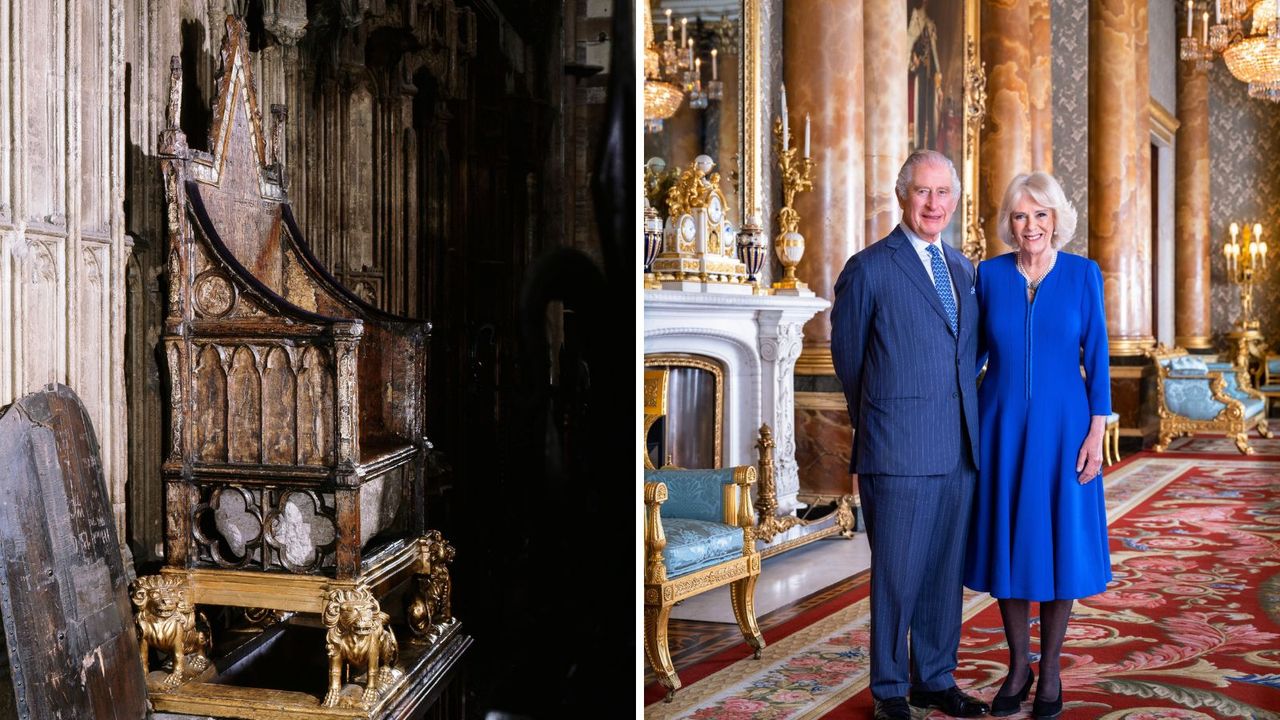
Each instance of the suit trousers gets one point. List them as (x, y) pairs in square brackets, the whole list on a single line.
[(917, 529)]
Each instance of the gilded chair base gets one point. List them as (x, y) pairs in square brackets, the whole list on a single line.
[(741, 575), (1111, 444)]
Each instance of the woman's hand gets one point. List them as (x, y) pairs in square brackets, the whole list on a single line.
[(1089, 459)]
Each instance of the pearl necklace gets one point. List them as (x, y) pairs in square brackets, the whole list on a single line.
[(1034, 284)]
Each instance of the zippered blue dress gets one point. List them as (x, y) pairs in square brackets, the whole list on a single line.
[(1036, 533)]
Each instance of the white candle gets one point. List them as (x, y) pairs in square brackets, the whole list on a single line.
[(714, 76), (690, 46), (806, 136), (684, 26), (1234, 229), (1217, 11), (786, 129), (1189, 16), (671, 29), (1205, 28), (697, 73)]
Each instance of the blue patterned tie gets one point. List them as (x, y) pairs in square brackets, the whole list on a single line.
[(942, 283)]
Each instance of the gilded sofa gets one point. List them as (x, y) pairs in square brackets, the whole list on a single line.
[(1195, 396)]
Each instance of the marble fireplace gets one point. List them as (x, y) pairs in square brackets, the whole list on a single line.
[(752, 343)]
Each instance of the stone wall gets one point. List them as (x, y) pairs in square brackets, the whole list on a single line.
[(63, 249)]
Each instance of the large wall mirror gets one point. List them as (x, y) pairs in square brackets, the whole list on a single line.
[(707, 69), (684, 411)]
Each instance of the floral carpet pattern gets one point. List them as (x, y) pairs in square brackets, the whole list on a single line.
[(1188, 629)]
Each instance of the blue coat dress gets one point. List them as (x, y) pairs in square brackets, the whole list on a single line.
[(1036, 533)]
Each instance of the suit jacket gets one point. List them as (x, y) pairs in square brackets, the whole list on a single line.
[(908, 380)]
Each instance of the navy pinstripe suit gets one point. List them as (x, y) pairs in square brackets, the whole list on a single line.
[(910, 385)]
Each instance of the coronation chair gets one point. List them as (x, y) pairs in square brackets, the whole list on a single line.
[(1195, 396)]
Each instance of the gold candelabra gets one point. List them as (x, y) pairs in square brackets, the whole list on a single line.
[(1246, 259), (797, 176)]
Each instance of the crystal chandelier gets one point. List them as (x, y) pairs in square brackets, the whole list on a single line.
[(661, 98), (1253, 58)]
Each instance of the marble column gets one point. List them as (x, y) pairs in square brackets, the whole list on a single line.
[(1040, 88), (1116, 238), (887, 49), (1005, 148), (1192, 328), (823, 61)]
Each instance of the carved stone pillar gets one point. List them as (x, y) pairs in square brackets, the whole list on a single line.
[(887, 49), (1116, 123), (1040, 89), (1006, 135), (1192, 328), (823, 42)]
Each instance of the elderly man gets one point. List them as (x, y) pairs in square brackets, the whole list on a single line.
[(904, 343)]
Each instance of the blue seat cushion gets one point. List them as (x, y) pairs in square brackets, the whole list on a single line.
[(696, 544), (1191, 398), (1269, 389), (1273, 366)]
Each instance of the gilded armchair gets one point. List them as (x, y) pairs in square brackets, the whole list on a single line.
[(1195, 396), (698, 535)]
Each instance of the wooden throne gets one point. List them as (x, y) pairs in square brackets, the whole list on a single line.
[(294, 476)]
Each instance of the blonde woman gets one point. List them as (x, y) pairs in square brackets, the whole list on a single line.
[(1039, 530)]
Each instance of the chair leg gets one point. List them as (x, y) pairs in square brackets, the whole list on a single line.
[(1242, 443), (1115, 445), (1163, 443), (743, 593), (1263, 430), (655, 647)]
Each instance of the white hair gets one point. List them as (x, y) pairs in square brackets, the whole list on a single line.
[(924, 157), (1045, 191)]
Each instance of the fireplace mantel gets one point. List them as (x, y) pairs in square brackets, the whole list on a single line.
[(757, 338)]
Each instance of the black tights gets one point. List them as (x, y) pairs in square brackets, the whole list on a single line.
[(1016, 615)]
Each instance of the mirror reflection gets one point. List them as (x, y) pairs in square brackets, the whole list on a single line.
[(692, 96)]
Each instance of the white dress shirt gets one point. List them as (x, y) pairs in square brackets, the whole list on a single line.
[(922, 251)]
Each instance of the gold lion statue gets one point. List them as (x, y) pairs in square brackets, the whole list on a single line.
[(358, 636), (432, 604), (168, 622)]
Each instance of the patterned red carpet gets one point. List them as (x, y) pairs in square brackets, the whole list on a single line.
[(1189, 629)]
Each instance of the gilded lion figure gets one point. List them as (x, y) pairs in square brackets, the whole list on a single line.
[(359, 635), (168, 622), (432, 603)]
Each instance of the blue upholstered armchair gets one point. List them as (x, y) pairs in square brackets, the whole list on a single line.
[(1195, 396), (698, 535)]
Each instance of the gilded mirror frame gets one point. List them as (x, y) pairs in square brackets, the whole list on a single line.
[(751, 140), (975, 108)]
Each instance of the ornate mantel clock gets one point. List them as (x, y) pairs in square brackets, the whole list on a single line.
[(294, 487), (699, 245)]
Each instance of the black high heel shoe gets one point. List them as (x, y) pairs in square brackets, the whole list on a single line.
[(1002, 705), (1047, 709)]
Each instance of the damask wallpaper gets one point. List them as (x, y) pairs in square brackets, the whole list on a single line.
[(1244, 181), (1070, 23)]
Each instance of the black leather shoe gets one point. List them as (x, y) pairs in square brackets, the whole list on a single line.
[(894, 708), (950, 701), (1047, 710), (1002, 705)]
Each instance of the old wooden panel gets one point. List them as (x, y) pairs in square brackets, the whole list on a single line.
[(63, 591)]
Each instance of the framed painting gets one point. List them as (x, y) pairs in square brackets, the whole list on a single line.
[(946, 99)]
